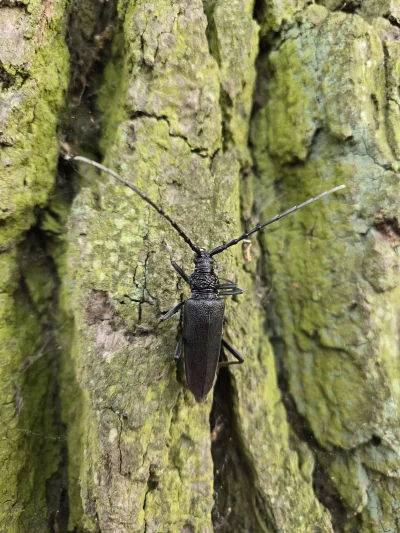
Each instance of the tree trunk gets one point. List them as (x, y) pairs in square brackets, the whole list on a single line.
[(225, 113)]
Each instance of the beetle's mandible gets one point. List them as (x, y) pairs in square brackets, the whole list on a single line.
[(200, 335)]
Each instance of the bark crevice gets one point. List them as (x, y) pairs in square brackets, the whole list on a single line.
[(239, 504)]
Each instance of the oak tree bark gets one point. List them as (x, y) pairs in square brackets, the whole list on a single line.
[(226, 113)]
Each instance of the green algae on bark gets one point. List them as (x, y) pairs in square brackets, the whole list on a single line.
[(29, 355)]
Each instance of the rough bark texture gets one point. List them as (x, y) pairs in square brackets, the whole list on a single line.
[(225, 113)]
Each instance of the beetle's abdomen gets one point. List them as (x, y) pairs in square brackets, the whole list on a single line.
[(202, 327)]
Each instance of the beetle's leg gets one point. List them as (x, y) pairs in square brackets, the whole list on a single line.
[(180, 272), (165, 317), (228, 289), (230, 292), (171, 312), (178, 350), (235, 354), (227, 280), (226, 286)]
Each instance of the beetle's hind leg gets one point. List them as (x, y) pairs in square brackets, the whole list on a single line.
[(178, 353), (178, 349), (239, 358)]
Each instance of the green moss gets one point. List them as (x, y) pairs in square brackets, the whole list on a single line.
[(281, 485), (385, 8), (292, 102)]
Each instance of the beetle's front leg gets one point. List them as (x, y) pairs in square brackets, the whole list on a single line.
[(181, 272), (228, 289), (228, 292), (235, 353)]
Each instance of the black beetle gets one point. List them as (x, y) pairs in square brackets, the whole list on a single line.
[(200, 333)]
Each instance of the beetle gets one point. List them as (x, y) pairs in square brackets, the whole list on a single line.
[(200, 332)]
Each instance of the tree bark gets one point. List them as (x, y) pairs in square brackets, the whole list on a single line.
[(224, 113), (33, 82)]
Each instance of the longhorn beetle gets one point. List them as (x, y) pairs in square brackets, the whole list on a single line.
[(200, 334)]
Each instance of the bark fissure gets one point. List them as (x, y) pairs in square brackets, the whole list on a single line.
[(50, 433), (239, 503)]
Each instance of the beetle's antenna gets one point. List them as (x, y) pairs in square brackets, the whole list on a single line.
[(143, 196), (223, 247)]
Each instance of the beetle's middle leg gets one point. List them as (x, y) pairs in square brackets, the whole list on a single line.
[(171, 312), (235, 353), (165, 317), (178, 350), (176, 307), (179, 346)]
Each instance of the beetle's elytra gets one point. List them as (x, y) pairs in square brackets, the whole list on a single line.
[(200, 333)]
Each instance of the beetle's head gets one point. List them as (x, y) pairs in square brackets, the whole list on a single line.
[(203, 261)]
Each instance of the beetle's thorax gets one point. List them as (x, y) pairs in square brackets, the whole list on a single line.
[(203, 281)]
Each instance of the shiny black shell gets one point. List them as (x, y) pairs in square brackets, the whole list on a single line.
[(202, 332)]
